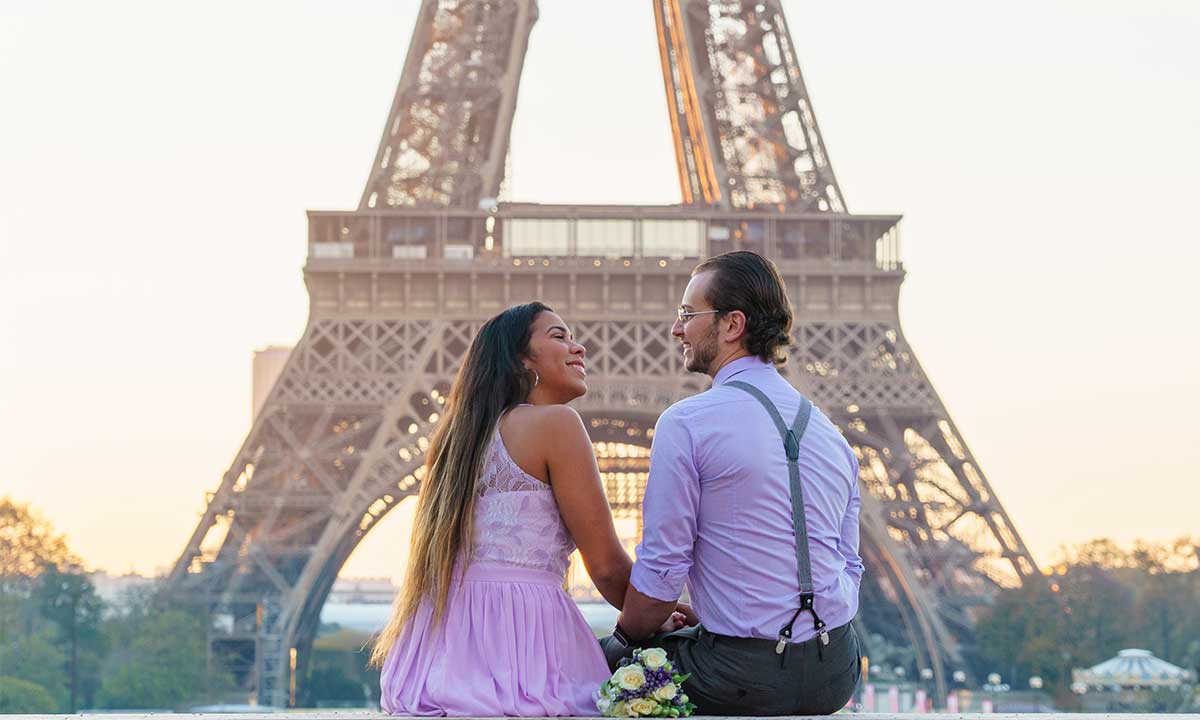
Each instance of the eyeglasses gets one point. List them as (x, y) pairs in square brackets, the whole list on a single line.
[(685, 315)]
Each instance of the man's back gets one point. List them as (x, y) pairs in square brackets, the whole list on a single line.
[(718, 510)]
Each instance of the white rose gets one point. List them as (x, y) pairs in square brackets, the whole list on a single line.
[(683, 699), (629, 677), (666, 692), (654, 658), (642, 706), (603, 704), (620, 709)]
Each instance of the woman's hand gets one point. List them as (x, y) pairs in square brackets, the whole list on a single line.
[(673, 623)]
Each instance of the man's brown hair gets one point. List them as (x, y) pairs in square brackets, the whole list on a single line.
[(749, 282)]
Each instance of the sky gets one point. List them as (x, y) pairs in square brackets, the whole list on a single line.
[(157, 157)]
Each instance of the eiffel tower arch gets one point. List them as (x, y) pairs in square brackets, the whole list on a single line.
[(399, 286)]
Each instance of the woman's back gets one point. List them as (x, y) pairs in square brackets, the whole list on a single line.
[(517, 521), (511, 641)]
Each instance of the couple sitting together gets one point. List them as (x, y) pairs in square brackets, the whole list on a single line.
[(752, 500)]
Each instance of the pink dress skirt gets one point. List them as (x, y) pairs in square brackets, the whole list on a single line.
[(511, 643)]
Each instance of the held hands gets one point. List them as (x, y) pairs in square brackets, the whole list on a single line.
[(683, 616), (689, 615), (673, 623)]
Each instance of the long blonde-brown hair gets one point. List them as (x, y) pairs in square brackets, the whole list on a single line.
[(490, 381)]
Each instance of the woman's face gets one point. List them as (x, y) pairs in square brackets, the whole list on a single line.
[(557, 358)]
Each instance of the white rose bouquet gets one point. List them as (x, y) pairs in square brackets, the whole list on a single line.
[(644, 685)]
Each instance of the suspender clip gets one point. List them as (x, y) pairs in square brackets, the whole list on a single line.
[(785, 634), (791, 446)]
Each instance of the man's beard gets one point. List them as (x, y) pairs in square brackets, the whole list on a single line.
[(704, 352)]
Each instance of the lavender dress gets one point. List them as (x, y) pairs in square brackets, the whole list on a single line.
[(511, 642)]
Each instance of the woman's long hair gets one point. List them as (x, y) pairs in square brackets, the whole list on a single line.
[(490, 381)]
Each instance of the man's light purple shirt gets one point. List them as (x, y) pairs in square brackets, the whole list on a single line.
[(718, 512)]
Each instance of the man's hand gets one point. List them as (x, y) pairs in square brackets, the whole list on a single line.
[(642, 615)]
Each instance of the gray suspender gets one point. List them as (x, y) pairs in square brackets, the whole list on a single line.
[(791, 446)]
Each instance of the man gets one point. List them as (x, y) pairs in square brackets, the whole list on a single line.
[(774, 586)]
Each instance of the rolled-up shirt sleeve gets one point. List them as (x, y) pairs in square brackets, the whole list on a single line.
[(849, 535), (669, 511)]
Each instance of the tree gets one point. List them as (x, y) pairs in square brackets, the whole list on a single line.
[(159, 660), (1098, 600), (35, 659), (28, 545), (1166, 582), (23, 697), (1024, 634), (338, 672), (69, 601)]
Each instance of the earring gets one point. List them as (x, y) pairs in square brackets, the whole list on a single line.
[(536, 378)]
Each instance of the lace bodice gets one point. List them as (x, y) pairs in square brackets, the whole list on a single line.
[(516, 518)]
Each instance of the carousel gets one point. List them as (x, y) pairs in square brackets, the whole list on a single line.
[(1134, 679)]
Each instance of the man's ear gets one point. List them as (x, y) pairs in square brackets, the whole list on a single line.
[(733, 326)]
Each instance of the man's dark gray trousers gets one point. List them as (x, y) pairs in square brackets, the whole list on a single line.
[(745, 676)]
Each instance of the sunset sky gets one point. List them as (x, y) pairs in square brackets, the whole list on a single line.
[(156, 160)]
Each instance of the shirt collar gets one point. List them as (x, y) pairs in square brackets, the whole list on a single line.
[(726, 373)]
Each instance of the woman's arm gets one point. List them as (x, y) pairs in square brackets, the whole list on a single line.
[(579, 492)]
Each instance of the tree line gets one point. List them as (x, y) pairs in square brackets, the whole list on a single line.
[(62, 649), (1099, 599)]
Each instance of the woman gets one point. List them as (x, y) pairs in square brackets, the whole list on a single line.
[(482, 626)]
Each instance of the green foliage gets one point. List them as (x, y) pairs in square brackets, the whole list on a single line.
[(1097, 601), (28, 542), (35, 659), (19, 696), (159, 661), (334, 679), (68, 601), (53, 634), (338, 672), (1025, 629), (28, 546)]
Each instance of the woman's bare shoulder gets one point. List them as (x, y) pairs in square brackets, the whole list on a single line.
[(549, 422), (546, 414), (538, 436)]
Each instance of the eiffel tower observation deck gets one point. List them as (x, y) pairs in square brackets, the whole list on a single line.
[(399, 286)]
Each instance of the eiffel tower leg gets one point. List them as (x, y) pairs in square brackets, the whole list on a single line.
[(447, 133), (322, 464), (393, 471), (937, 534)]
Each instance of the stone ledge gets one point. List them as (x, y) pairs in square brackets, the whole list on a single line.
[(316, 714)]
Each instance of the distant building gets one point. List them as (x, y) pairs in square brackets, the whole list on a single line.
[(1133, 681), (114, 590), (268, 365), (362, 591), (1131, 668)]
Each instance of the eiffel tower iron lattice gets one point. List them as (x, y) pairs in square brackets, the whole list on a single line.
[(399, 286)]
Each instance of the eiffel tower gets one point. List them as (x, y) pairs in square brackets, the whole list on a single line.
[(399, 286)]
